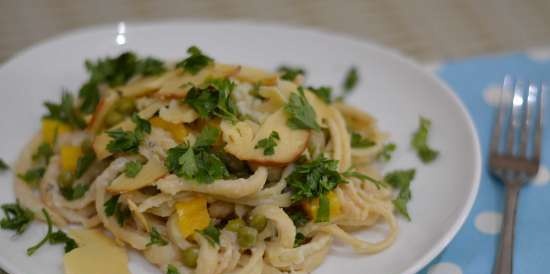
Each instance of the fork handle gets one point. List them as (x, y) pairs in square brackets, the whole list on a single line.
[(505, 256)]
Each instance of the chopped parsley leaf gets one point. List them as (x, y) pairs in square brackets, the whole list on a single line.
[(3, 166), (71, 193), (212, 234), (128, 141), (386, 152), (313, 179), (195, 62), (359, 141), (269, 143), (298, 217), (352, 77), (32, 176), (16, 217), (323, 92), (43, 154), (132, 168), (113, 208), (65, 111), (401, 180), (58, 237), (419, 142), (299, 240), (199, 162), (110, 205), (301, 113), (323, 212), (214, 99), (150, 66), (172, 270), (84, 162), (156, 238), (290, 73)]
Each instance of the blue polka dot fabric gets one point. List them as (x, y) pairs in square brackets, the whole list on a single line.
[(477, 82)]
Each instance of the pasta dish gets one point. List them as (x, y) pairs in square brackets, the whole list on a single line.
[(205, 167)]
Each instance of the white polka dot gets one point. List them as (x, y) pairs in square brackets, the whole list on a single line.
[(543, 176), (541, 54), (491, 95), (444, 268), (489, 222)]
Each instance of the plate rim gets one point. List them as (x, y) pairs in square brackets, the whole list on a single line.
[(448, 236)]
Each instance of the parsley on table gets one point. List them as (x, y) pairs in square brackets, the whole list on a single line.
[(113, 208), (172, 270), (195, 62), (359, 141), (214, 99), (269, 143), (32, 176), (198, 162), (84, 162), (58, 237), (128, 141), (401, 180), (156, 238), (71, 193), (16, 217), (301, 113), (323, 212), (65, 111), (313, 179), (290, 73), (419, 142), (299, 240), (386, 152), (132, 168), (3, 166), (323, 92), (212, 234)]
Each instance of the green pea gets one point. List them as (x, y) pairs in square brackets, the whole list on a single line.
[(126, 105), (258, 222), (189, 257), (235, 224), (113, 117), (65, 179), (246, 236)]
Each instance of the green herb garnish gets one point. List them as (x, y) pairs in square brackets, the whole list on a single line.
[(16, 217), (128, 141), (290, 73), (150, 66), (386, 152), (401, 180), (212, 234), (419, 142), (32, 176), (299, 218), (299, 240), (110, 205), (351, 79), (314, 178), (156, 238), (199, 162), (172, 270), (58, 237), (65, 111), (84, 162), (301, 113), (359, 141), (195, 62), (75, 192), (113, 208), (214, 99), (269, 143), (132, 168), (323, 92)]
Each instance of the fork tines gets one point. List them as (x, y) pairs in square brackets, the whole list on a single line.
[(520, 116)]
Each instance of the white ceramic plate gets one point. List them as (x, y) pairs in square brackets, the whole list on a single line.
[(392, 88)]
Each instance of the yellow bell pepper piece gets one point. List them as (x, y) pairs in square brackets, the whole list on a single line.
[(178, 131), (69, 157), (312, 206), (192, 215), (52, 128)]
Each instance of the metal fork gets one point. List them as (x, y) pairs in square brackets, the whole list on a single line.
[(514, 158)]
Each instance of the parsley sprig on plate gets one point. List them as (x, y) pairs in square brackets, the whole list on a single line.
[(128, 141), (301, 114), (214, 99)]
